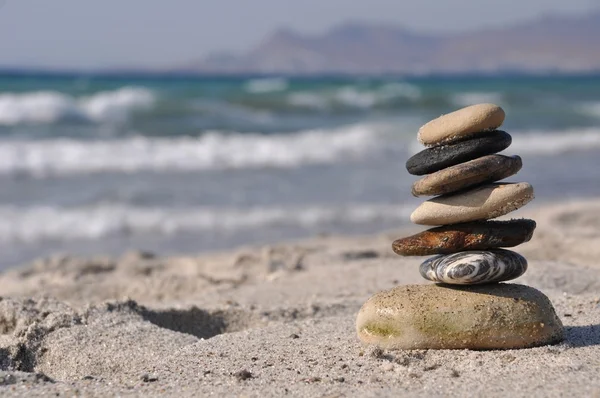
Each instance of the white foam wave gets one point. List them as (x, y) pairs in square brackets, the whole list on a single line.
[(266, 85), (400, 89), (552, 143), (49, 223), (590, 109), (39, 108), (353, 97), (211, 151), (306, 99), (42, 107), (472, 98), (116, 105)]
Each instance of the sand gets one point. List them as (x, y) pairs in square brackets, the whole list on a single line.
[(279, 321)]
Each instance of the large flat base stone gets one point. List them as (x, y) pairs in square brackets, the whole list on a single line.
[(497, 316)]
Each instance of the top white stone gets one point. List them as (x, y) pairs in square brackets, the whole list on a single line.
[(461, 124)]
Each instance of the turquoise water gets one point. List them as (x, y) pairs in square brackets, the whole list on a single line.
[(177, 164)]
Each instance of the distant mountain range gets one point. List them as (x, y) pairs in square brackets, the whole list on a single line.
[(560, 44)]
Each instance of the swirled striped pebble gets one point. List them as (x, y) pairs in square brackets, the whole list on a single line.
[(474, 267)]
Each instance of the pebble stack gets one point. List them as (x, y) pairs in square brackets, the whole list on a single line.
[(462, 169)]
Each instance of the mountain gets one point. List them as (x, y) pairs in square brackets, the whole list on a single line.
[(566, 44)]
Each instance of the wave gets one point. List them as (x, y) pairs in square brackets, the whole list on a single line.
[(218, 150), (306, 99), (470, 98), (50, 223), (116, 105), (590, 109), (406, 90), (213, 150), (552, 143), (353, 97), (44, 107), (266, 85)]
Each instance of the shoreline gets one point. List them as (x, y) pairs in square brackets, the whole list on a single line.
[(174, 248), (279, 319)]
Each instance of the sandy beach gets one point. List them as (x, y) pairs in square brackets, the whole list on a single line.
[(279, 320), (300, 199)]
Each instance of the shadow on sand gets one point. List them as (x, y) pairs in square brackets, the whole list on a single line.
[(582, 336)]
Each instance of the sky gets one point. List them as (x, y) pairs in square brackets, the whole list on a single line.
[(92, 34)]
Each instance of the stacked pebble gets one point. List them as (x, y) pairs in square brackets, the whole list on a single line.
[(463, 172), (462, 166)]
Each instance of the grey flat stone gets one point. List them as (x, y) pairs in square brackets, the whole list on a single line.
[(489, 168)]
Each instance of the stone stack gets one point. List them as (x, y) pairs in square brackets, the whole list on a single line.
[(461, 168)]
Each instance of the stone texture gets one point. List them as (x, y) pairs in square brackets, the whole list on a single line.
[(479, 235), (474, 267), (460, 124), (485, 169), (481, 203), (496, 316), (437, 158)]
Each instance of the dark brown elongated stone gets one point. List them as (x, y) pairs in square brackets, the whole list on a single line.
[(488, 168), (478, 235)]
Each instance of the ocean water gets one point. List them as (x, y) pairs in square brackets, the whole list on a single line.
[(93, 165)]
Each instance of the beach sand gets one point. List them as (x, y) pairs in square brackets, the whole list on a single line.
[(279, 320)]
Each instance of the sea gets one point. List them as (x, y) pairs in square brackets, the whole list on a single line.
[(103, 164)]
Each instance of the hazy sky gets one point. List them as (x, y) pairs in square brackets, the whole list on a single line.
[(99, 33)]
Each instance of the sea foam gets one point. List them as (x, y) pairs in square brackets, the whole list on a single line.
[(44, 107), (475, 97), (552, 143), (590, 109), (266, 85), (32, 224), (213, 150), (354, 97), (220, 150)]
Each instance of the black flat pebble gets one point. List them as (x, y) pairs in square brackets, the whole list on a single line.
[(437, 158)]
